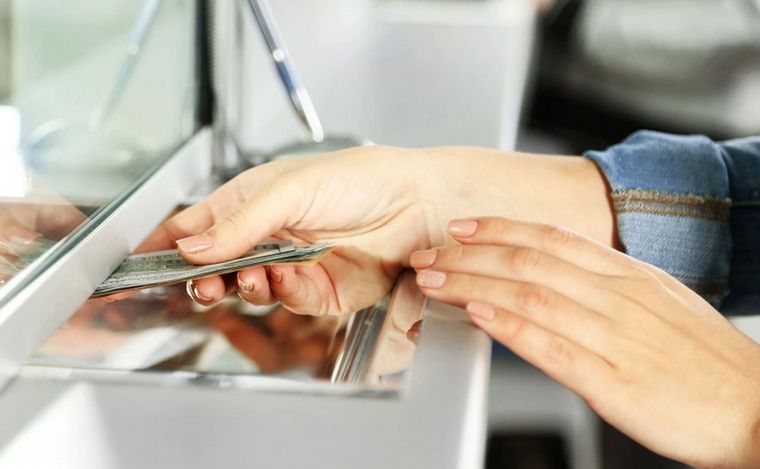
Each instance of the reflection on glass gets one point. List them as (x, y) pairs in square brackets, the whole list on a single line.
[(162, 332), (92, 94)]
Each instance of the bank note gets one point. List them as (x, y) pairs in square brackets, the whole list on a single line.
[(163, 268)]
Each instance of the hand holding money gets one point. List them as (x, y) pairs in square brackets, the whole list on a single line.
[(375, 219), (167, 267)]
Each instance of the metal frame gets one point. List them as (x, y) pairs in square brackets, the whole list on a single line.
[(27, 318)]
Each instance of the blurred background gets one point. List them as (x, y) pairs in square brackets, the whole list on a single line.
[(538, 76)]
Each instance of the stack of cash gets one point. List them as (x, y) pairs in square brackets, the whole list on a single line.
[(162, 268)]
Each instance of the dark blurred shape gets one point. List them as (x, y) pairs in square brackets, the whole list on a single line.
[(606, 69), (620, 452), (526, 451)]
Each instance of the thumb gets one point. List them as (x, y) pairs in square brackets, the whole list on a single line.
[(267, 212)]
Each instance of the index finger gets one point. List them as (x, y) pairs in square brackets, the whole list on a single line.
[(555, 240)]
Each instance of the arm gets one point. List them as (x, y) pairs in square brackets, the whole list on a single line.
[(691, 207), (567, 191), (379, 204)]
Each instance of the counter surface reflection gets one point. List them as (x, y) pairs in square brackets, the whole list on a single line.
[(160, 336)]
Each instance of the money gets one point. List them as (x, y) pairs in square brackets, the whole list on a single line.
[(163, 268)]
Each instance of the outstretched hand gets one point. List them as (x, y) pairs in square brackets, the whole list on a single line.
[(373, 211)]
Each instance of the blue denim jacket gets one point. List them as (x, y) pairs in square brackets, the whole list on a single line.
[(691, 206)]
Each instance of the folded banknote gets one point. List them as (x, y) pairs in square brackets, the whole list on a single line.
[(154, 269)]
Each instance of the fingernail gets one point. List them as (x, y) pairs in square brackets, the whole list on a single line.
[(195, 244), (463, 227), (276, 274), (247, 287), (196, 295), (431, 278), (422, 259), (481, 310)]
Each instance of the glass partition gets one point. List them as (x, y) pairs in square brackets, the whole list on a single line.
[(93, 96)]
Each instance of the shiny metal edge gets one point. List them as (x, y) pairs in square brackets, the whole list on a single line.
[(33, 314), (242, 383), (362, 334)]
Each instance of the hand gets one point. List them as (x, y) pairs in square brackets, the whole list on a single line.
[(646, 353), (375, 214), (379, 204), (26, 221)]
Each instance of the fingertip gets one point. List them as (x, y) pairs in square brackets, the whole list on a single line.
[(211, 247), (195, 244), (463, 228), (481, 311), (206, 291), (251, 278), (253, 286), (296, 290), (280, 274)]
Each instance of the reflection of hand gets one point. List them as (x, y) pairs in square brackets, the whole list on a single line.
[(379, 204), (23, 224), (648, 354), (286, 341)]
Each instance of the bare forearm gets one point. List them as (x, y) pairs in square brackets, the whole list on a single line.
[(567, 191)]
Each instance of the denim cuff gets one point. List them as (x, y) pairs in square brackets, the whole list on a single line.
[(671, 196), (743, 163)]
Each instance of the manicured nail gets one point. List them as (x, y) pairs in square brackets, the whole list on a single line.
[(463, 228), (196, 295), (195, 244), (481, 310), (422, 259), (276, 274), (431, 278)]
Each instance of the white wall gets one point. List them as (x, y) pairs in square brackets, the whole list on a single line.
[(413, 73)]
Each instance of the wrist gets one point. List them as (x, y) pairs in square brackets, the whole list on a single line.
[(464, 182), (753, 457)]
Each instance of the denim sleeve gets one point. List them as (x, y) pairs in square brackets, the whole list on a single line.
[(690, 206)]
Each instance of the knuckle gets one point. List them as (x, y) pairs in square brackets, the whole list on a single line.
[(558, 353), (513, 329), (553, 237), (237, 221), (499, 228), (462, 287), (532, 298), (456, 254), (524, 259)]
